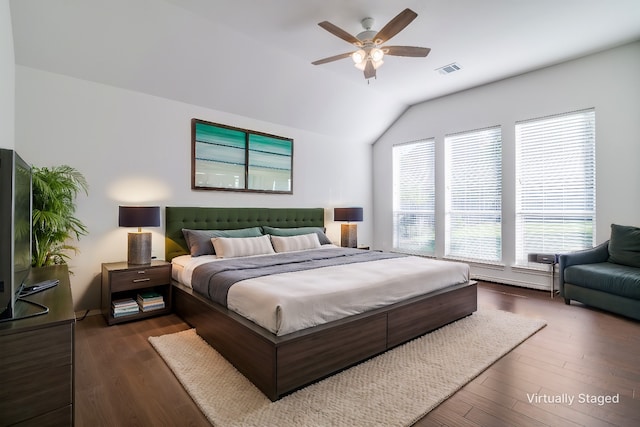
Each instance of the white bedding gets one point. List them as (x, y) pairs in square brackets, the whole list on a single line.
[(288, 302)]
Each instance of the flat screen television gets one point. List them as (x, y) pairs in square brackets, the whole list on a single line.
[(15, 229)]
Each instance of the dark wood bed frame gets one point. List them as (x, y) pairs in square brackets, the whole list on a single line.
[(278, 365)]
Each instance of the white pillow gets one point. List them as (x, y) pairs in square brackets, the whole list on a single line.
[(233, 247), (300, 242)]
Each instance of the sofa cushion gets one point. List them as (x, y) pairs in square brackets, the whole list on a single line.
[(624, 246), (607, 277)]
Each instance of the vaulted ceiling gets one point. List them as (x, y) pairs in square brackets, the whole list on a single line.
[(253, 57)]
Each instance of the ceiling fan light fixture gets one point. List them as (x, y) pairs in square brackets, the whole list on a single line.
[(376, 54), (359, 57), (369, 43)]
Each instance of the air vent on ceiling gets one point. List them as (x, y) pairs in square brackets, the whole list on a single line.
[(450, 68)]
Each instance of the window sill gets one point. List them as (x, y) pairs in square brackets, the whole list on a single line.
[(485, 264), (533, 268)]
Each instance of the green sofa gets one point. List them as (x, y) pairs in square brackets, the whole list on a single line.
[(607, 276)]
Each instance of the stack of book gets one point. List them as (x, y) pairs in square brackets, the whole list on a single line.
[(124, 307), (150, 300)]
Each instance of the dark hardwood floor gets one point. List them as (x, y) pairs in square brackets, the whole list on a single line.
[(582, 353)]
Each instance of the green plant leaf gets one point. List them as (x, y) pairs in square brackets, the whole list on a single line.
[(54, 223)]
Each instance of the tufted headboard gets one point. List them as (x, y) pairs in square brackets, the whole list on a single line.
[(200, 218)]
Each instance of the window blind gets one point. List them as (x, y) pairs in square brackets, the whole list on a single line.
[(555, 187), (473, 162), (414, 197)]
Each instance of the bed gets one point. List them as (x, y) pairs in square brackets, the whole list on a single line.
[(279, 364)]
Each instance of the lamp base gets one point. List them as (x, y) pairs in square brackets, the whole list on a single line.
[(349, 235), (139, 250)]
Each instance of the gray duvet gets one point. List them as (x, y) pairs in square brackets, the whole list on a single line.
[(216, 278)]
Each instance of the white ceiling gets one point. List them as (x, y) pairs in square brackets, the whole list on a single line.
[(253, 57)]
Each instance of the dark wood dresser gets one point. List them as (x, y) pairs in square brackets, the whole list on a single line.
[(37, 355)]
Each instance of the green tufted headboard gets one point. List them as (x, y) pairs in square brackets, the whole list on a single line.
[(201, 218)]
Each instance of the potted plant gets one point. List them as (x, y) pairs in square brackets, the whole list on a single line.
[(54, 193)]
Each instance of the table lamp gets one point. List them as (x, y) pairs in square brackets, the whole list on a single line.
[(348, 232), (139, 249)]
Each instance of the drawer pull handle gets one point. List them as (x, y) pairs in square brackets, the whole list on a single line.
[(146, 279)]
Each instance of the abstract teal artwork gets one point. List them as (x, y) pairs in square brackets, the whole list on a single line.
[(233, 159)]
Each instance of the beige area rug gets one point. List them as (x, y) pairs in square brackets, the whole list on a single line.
[(394, 389)]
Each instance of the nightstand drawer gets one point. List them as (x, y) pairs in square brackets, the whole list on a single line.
[(134, 279)]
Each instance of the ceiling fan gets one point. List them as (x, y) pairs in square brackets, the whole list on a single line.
[(370, 51)]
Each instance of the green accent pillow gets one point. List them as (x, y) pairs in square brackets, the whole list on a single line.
[(296, 231), (624, 245), (199, 241)]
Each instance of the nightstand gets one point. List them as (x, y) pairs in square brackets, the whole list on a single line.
[(123, 283)]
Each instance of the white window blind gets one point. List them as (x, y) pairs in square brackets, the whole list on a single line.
[(555, 187), (414, 197), (473, 210)]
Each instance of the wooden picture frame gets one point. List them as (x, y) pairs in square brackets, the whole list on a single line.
[(227, 158)]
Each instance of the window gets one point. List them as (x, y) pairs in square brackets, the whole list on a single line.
[(473, 195), (414, 197), (555, 187)]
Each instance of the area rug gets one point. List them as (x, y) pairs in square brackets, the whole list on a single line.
[(396, 388)]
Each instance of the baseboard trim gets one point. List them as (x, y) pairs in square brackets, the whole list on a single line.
[(84, 313), (519, 283)]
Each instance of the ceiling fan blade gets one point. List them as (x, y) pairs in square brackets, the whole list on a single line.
[(394, 26), (332, 58), (339, 32), (369, 70), (406, 51)]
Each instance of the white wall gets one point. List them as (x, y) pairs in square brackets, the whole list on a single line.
[(135, 148), (7, 78), (607, 81)]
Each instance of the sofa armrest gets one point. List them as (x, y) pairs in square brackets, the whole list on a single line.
[(599, 253)]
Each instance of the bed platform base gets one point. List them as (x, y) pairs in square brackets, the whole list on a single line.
[(281, 365)]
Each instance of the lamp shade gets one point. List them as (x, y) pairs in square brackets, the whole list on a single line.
[(347, 214), (139, 216)]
